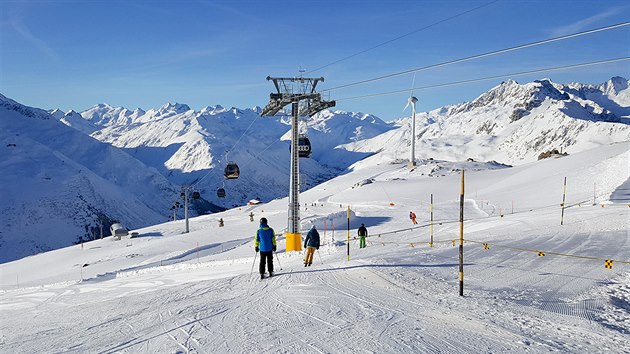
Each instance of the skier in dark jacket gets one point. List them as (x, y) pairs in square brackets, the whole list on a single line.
[(265, 242), (311, 243), (362, 235)]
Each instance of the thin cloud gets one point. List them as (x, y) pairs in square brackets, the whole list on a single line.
[(19, 26), (586, 23)]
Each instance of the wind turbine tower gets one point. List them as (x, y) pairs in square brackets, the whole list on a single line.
[(412, 159)]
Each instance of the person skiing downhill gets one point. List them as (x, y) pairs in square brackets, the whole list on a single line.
[(362, 232), (265, 242), (311, 243), (412, 216)]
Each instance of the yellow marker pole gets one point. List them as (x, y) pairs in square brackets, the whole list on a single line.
[(461, 238), (348, 243), (431, 222), (564, 195)]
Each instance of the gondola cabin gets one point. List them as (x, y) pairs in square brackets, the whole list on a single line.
[(196, 195), (304, 146), (221, 193), (231, 171)]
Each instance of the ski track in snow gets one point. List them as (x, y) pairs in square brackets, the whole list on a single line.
[(389, 298)]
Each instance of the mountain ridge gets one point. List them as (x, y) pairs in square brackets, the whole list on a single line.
[(128, 165)]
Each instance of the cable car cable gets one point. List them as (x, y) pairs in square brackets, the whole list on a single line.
[(489, 78), (483, 55), (402, 36), (233, 146)]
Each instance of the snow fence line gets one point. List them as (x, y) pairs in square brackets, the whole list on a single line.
[(39, 287), (182, 266)]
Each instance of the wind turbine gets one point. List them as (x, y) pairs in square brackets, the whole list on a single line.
[(412, 100)]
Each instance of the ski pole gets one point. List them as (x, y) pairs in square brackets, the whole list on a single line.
[(278, 259), (320, 256), (250, 273)]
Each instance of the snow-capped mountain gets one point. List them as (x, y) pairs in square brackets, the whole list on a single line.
[(513, 123), (58, 184), (189, 147), (75, 120)]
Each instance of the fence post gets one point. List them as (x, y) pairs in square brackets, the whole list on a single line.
[(564, 194), (431, 222), (461, 238), (348, 243)]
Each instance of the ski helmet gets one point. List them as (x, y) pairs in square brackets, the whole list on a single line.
[(263, 221)]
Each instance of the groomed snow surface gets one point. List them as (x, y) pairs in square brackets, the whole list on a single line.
[(168, 292)]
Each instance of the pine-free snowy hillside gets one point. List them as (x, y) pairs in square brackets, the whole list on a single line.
[(58, 184), (514, 123), (188, 147), (200, 292)]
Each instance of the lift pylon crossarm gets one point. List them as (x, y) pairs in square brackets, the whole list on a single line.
[(317, 106), (285, 95)]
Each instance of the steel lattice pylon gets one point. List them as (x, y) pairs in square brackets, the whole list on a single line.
[(284, 95)]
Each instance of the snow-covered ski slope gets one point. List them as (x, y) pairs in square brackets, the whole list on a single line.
[(169, 292)]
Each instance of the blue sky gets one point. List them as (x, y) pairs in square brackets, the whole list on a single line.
[(75, 54)]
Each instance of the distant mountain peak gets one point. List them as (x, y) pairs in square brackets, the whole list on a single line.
[(57, 113), (615, 85), (174, 108)]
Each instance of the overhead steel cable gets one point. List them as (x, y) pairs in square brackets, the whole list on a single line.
[(483, 55), (488, 78), (233, 146), (402, 36)]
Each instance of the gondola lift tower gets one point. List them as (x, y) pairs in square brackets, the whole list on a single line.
[(300, 93)]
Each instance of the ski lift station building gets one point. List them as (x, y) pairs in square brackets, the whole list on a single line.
[(118, 230)]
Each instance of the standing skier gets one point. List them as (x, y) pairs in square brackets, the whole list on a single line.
[(311, 243), (265, 242), (412, 216), (362, 235)]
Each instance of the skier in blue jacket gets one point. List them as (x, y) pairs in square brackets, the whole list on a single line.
[(265, 242), (311, 243)]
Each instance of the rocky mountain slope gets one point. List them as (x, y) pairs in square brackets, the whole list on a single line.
[(58, 184), (128, 165), (514, 123)]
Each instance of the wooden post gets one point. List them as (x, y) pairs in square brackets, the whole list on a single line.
[(461, 238), (332, 226), (431, 222), (348, 243), (564, 195)]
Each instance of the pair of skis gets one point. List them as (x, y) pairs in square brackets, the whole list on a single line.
[(262, 276)]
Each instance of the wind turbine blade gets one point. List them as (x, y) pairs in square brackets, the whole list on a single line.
[(407, 105), (413, 83)]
